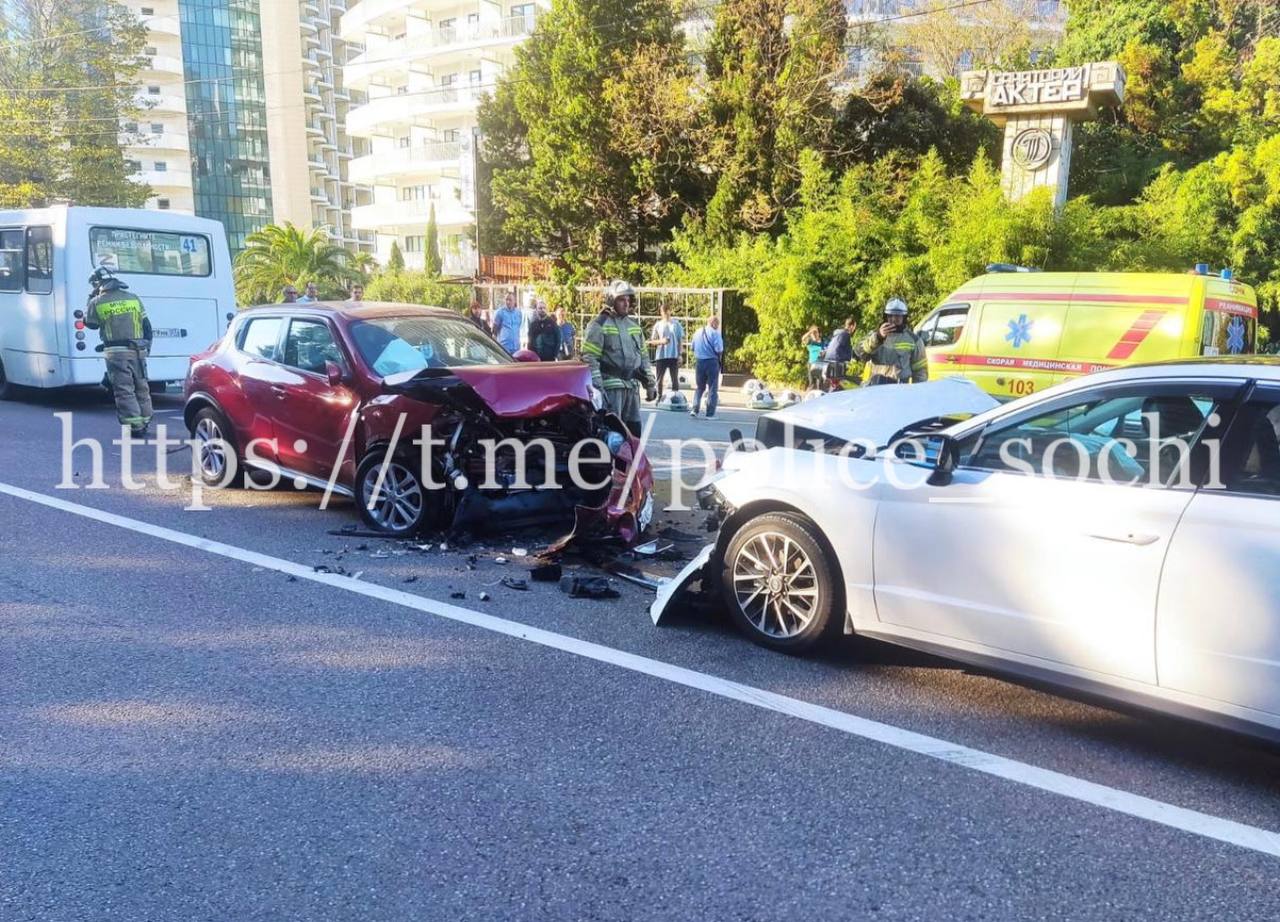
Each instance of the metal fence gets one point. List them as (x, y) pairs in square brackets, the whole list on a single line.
[(691, 306)]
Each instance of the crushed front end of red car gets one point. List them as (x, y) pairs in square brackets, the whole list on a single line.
[(509, 446)]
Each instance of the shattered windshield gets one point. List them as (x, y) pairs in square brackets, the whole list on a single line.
[(397, 344)]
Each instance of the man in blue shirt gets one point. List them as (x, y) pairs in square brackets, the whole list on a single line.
[(708, 351), (567, 334), (506, 324)]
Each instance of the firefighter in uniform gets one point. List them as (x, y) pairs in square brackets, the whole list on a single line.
[(894, 352), (615, 349), (122, 322)]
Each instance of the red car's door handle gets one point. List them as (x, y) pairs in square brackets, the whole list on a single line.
[(280, 391)]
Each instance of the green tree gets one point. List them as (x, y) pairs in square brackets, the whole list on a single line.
[(412, 287), (565, 177), (68, 81), (281, 254), (395, 260), (431, 248), (771, 69)]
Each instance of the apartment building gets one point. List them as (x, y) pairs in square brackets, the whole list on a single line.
[(426, 65), (311, 151), (244, 113)]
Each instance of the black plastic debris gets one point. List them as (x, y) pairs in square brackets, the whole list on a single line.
[(410, 579), (512, 582), (457, 595), (321, 568), (546, 573), (484, 597), (587, 587)]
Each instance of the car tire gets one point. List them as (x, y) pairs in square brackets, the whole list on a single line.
[(216, 449), (403, 507), (780, 585)]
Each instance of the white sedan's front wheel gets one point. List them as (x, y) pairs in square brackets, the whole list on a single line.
[(779, 584)]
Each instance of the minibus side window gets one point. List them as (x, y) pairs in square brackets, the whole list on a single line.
[(39, 260), (11, 259)]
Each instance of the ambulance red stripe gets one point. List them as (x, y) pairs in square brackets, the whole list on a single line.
[(1134, 336)]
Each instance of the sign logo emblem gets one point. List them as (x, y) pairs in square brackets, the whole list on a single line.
[(1032, 148), (1019, 331), (1235, 336)]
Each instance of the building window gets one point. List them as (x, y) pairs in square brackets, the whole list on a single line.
[(153, 90), (451, 134), (475, 77), (161, 166), (413, 244), (148, 11), (413, 193), (162, 204), (133, 166), (157, 128), (448, 24), (406, 141), (402, 89), (150, 51), (130, 126), (449, 80)]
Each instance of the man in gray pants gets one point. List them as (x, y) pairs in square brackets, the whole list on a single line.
[(122, 322)]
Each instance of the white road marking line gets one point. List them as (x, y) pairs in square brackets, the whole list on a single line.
[(1043, 779)]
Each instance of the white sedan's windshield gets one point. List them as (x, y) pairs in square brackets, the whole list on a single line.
[(390, 345)]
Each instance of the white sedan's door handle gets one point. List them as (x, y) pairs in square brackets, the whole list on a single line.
[(1126, 538)]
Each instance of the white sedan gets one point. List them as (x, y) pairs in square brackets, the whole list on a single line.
[(1118, 534)]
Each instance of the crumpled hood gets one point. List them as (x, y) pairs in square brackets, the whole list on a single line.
[(528, 388), (876, 413)]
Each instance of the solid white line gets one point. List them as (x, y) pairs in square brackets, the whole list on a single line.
[(1100, 795)]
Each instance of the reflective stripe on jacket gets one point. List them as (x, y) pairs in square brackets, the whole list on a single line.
[(615, 349), (899, 357)]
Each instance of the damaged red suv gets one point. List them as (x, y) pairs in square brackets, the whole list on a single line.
[(332, 394)]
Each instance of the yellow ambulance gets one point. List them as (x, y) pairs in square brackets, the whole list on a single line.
[(1015, 332)]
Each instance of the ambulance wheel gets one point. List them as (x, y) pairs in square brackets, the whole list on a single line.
[(780, 583), (216, 452)]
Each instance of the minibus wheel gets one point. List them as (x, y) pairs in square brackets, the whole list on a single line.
[(8, 391)]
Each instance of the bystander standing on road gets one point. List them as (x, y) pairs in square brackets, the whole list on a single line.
[(506, 324), (475, 313), (527, 315), (357, 293), (311, 296), (289, 295), (708, 352), (840, 350), (544, 334), (568, 334), (814, 345), (668, 342)]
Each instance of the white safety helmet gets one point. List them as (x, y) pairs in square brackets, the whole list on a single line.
[(895, 307), (618, 288)]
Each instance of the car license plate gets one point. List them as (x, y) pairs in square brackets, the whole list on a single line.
[(167, 332)]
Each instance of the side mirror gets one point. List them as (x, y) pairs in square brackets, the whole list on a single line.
[(333, 372), (945, 454)]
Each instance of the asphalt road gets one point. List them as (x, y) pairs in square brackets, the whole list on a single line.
[(195, 731)]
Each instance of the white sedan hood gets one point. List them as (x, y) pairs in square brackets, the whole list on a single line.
[(876, 413)]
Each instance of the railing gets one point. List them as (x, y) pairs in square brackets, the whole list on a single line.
[(402, 159)]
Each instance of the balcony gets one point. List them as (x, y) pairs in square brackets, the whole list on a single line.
[(164, 25), (425, 158), (159, 141), (165, 103), (162, 64), (376, 16), (409, 108), (400, 56), (163, 181), (390, 215)]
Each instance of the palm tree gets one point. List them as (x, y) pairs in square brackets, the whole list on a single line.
[(281, 254)]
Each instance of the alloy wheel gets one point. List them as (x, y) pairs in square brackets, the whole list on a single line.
[(398, 504), (213, 448), (775, 585)]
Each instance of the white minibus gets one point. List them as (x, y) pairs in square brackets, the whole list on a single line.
[(177, 264)]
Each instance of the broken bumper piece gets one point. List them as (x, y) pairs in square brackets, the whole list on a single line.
[(672, 592)]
